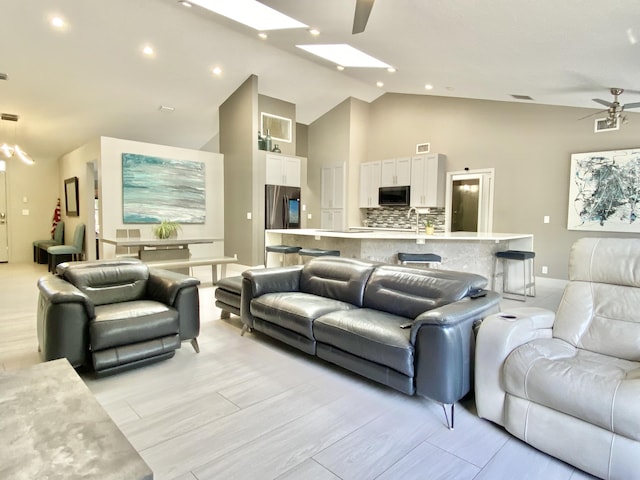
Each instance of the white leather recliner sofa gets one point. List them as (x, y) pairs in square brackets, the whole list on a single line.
[(569, 383)]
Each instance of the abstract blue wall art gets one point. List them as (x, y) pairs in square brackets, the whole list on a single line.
[(156, 189), (604, 193)]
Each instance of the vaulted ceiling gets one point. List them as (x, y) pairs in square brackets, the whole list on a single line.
[(91, 78)]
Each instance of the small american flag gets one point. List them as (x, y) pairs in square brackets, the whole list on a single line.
[(56, 218)]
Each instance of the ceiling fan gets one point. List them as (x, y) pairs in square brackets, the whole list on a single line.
[(616, 108), (361, 17)]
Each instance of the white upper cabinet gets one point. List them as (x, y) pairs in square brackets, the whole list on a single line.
[(369, 184), (395, 172), (428, 180), (282, 170)]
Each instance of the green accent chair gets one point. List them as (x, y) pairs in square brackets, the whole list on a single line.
[(40, 246), (74, 251)]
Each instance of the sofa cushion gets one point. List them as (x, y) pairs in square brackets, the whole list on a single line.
[(599, 389), (339, 278), (123, 323), (408, 292), (108, 281), (600, 317), (295, 311), (370, 334)]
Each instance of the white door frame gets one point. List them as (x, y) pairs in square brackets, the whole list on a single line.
[(485, 207), (4, 227)]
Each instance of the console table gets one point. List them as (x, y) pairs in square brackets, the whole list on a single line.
[(54, 428)]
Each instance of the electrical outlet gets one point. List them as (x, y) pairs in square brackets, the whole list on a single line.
[(420, 241), (248, 215), (545, 269), (546, 219), (309, 216)]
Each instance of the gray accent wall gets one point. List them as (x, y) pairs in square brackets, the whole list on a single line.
[(238, 134), (245, 168)]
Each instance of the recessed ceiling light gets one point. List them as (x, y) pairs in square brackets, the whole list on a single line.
[(314, 31), (184, 3), (340, 67), (428, 86), (166, 108), (147, 50), (391, 70), (251, 13), (216, 70), (345, 55), (380, 84), (263, 35), (57, 22)]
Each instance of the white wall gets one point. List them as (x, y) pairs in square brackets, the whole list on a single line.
[(33, 189), (110, 193), (74, 164)]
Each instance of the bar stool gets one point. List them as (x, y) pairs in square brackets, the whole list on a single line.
[(282, 250), (428, 259), (528, 281), (317, 252)]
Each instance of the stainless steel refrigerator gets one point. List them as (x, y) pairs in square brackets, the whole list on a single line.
[(282, 207)]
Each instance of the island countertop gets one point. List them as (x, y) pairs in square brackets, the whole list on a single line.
[(398, 234), (462, 251)]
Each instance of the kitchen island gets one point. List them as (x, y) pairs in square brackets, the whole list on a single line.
[(462, 251)]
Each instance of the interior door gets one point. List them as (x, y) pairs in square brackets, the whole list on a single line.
[(465, 204), (4, 242), (469, 201)]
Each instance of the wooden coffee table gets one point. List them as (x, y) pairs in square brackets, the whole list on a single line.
[(53, 427)]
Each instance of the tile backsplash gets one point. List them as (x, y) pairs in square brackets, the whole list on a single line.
[(396, 217)]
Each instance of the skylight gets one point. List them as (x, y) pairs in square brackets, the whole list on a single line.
[(345, 55), (251, 13)]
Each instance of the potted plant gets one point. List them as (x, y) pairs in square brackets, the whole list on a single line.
[(166, 229), (428, 227)]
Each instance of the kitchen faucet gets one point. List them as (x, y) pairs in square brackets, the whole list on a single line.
[(417, 218)]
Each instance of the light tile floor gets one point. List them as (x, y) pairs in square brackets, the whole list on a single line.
[(249, 407)]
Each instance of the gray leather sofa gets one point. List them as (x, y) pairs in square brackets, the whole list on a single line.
[(113, 315), (409, 329), (568, 382)]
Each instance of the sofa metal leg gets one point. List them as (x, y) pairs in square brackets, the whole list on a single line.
[(194, 344), (245, 329), (444, 407)]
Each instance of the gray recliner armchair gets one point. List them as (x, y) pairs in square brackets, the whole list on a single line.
[(568, 382), (113, 315)]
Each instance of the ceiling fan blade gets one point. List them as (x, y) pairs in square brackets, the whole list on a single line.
[(632, 105), (361, 17), (603, 102), (592, 114)]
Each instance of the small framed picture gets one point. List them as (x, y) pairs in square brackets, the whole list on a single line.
[(71, 196)]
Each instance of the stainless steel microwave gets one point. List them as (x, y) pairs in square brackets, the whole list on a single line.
[(394, 196)]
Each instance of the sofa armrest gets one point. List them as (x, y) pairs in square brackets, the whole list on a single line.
[(163, 285), (63, 316), (56, 290), (180, 292), (268, 280), (498, 336), (444, 341)]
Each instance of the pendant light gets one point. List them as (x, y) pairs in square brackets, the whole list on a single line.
[(14, 150)]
